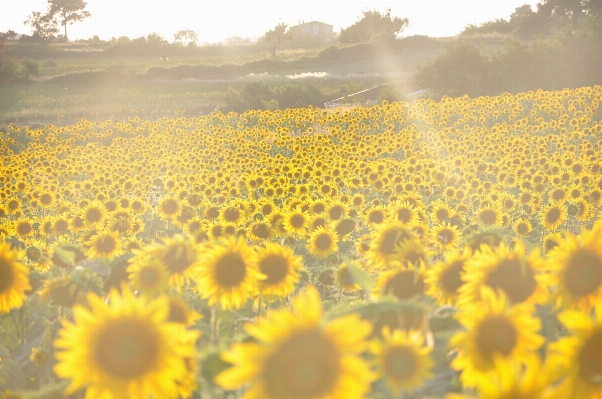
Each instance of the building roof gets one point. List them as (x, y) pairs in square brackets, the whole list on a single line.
[(313, 23)]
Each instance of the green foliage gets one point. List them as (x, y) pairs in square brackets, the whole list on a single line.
[(568, 59), (43, 27), (14, 71), (373, 26)]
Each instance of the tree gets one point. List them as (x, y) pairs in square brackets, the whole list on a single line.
[(43, 26), (571, 8), (276, 36), (187, 37), (374, 26), (70, 11)]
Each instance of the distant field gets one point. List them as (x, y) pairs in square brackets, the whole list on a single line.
[(63, 93)]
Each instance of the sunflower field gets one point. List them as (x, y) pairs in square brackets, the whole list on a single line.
[(446, 249)]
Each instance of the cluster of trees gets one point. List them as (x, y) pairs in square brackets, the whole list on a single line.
[(550, 15), (570, 58)]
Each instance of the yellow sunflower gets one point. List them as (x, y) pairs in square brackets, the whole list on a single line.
[(14, 278), (179, 255), (522, 227), (104, 244), (322, 242), (297, 356), (403, 280), (386, 242), (553, 216), (124, 349), (577, 264), (520, 277), (402, 359), (494, 329), (578, 356), (227, 273), (445, 236), (345, 280), (445, 278), (280, 265), (150, 278)]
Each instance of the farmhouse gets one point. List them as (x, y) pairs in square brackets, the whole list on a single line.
[(314, 30)]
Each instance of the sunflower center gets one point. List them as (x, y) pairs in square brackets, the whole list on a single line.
[(61, 225), (323, 242), (24, 229), (590, 361), (33, 254), (176, 259), (584, 273), (46, 199), (345, 227), (127, 348), (230, 270), (404, 215), (400, 364), (553, 215), (522, 228), (516, 279), (445, 236), (336, 212), (442, 214), (496, 334), (261, 231), (106, 244), (93, 215), (405, 285), (149, 276), (275, 267), (488, 217), (6, 275), (307, 365), (376, 217), (450, 278), (231, 214), (297, 221), (212, 213), (170, 206), (387, 247)]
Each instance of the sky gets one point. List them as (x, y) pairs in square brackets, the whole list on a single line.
[(216, 20)]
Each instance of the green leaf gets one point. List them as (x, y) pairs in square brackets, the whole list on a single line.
[(360, 276), (66, 257)]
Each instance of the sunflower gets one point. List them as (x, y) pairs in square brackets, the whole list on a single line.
[(344, 228), (553, 216), (179, 255), (578, 356), (296, 355), (14, 278), (520, 277), (440, 212), (445, 236), (402, 359), (445, 278), (384, 247), (577, 264), (36, 252), (404, 212), (150, 278), (24, 228), (403, 280), (494, 329), (104, 244), (489, 216), (295, 223), (227, 273), (376, 216), (169, 208), (124, 349), (94, 214), (522, 227), (551, 241), (280, 265), (322, 242), (180, 312)]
